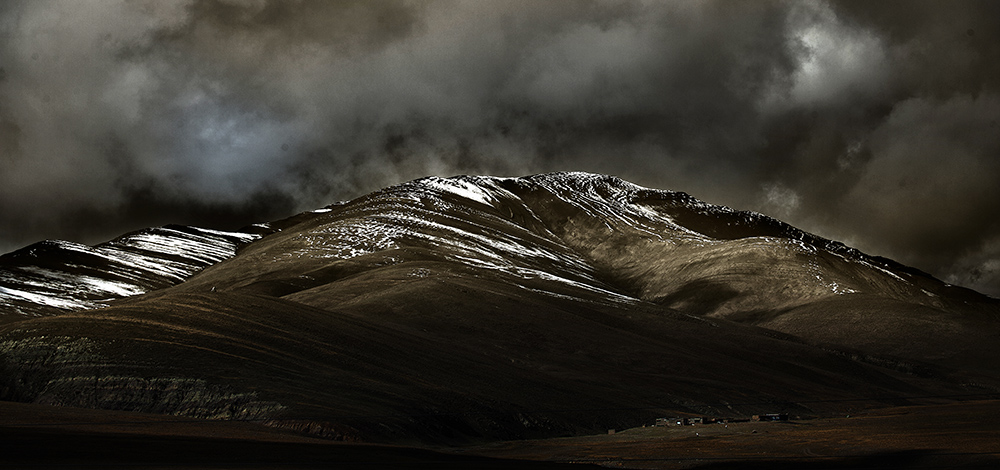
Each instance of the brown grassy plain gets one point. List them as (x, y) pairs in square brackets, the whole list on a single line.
[(953, 435)]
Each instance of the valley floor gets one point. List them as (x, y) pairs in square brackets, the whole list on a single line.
[(46, 437), (954, 435)]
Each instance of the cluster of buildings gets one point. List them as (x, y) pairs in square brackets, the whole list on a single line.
[(693, 420)]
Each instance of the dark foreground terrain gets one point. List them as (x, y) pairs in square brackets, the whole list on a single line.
[(38, 436), (954, 435)]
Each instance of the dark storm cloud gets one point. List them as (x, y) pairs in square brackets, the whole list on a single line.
[(898, 150), (872, 122)]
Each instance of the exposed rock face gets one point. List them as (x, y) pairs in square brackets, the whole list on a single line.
[(69, 371), (480, 307)]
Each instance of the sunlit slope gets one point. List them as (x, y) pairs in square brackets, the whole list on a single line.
[(607, 236), (673, 250)]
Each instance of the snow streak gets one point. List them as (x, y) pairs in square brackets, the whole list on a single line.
[(70, 276)]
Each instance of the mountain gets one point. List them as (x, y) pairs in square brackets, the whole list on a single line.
[(482, 308), (54, 275)]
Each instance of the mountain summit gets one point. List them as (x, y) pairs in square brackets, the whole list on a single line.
[(475, 307)]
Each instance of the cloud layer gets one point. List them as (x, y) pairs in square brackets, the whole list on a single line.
[(870, 122)]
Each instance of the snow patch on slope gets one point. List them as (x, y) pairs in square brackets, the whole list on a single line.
[(460, 187), (462, 219), (76, 277)]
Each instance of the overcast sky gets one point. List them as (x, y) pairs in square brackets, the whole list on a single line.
[(874, 123)]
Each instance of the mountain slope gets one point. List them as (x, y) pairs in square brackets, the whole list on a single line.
[(484, 308), (53, 276)]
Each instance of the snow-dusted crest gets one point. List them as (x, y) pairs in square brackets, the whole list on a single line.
[(596, 235), (69, 276)]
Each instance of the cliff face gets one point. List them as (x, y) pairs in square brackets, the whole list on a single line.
[(480, 307)]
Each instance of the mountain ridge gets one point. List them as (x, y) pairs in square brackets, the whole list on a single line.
[(53, 275), (477, 307), (688, 213)]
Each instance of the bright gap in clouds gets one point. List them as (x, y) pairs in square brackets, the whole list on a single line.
[(835, 59)]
